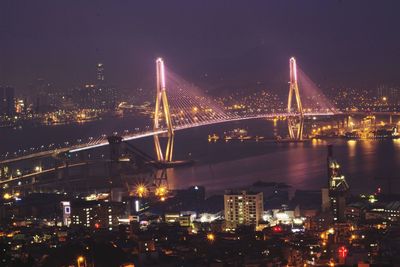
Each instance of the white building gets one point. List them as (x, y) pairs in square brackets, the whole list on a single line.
[(243, 208)]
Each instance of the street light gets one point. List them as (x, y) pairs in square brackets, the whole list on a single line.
[(211, 237), (81, 261), (141, 190)]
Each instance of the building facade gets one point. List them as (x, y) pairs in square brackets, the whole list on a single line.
[(243, 208)]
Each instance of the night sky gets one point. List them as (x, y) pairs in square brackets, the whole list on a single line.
[(209, 42)]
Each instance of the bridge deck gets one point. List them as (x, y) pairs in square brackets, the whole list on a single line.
[(104, 142)]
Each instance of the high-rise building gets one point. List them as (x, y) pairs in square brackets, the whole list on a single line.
[(243, 208), (338, 188), (7, 101), (100, 73)]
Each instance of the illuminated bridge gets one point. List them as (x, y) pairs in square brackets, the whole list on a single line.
[(180, 105)]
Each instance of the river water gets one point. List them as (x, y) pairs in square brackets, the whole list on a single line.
[(367, 164)]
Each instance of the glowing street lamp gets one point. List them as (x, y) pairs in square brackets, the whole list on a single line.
[(161, 191), (81, 261), (38, 168), (141, 190), (211, 237)]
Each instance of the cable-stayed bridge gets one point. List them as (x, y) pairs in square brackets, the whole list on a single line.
[(180, 105)]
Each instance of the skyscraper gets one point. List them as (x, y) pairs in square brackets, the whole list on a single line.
[(243, 208), (100, 73), (338, 187)]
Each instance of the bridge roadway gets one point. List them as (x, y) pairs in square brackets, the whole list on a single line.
[(103, 141)]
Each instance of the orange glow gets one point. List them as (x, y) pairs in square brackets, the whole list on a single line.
[(161, 191), (211, 237), (141, 190)]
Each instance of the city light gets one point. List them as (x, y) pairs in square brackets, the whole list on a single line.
[(141, 190), (81, 261), (277, 229), (161, 191), (38, 168), (343, 251), (211, 237)]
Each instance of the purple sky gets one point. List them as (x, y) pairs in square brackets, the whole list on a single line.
[(348, 42)]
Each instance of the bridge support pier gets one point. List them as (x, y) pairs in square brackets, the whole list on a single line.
[(161, 178)]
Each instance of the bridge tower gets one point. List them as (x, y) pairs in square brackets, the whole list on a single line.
[(162, 111), (295, 121)]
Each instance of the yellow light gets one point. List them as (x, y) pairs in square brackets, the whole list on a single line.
[(7, 196), (80, 259), (161, 191), (331, 231), (141, 190), (210, 237)]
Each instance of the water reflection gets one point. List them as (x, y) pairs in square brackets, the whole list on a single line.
[(352, 148), (223, 165)]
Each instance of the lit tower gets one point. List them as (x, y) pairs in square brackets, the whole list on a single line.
[(100, 72), (295, 123), (338, 187), (161, 100)]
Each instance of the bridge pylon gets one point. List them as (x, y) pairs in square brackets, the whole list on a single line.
[(295, 119), (162, 111)]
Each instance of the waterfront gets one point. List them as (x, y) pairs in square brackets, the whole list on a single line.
[(367, 164)]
